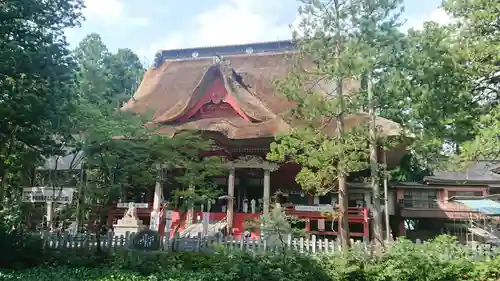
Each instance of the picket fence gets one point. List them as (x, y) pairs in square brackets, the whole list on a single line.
[(310, 245), (197, 244)]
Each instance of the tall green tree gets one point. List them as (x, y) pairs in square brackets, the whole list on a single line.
[(486, 144), (121, 154), (445, 81), (36, 83), (478, 22), (105, 77), (344, 41)]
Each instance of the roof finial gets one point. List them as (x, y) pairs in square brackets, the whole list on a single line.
[(217, 59)]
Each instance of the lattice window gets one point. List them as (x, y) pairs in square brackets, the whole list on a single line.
[(418, 198), (464, 193), (418, 194)]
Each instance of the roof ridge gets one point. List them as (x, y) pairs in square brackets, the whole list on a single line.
[(229, 45), (200, 52)]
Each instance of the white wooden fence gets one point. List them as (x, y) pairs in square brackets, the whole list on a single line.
[(195, 244), (310, 245)]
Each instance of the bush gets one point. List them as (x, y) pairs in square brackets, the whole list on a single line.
[(20, 250), (485, 271), (439, 260), (230, 264)]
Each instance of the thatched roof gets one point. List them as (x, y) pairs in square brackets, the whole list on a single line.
[(174, 87)]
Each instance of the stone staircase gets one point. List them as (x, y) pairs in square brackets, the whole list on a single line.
[(188, 241), (194, 229), (489, 233)]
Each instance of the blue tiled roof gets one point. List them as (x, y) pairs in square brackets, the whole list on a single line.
[(485, 206)]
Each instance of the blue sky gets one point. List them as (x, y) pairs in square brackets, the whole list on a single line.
[(168, 24)]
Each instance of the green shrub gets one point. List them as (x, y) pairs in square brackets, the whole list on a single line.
[(230, 264), (153, 262), (87, 274), (75, 258), (485, 271), (439, 260), (20, 250)]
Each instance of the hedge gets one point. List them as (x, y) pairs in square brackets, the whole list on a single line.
[(479, 271), (439, 260)]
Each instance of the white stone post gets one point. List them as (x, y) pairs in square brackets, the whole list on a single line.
[(158, 195), (230, 200), (50, 214)]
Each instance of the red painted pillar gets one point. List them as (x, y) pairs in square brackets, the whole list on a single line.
[(308, 227), (308, 221)]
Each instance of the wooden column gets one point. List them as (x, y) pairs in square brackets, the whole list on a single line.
[(230, 200), (267, 191)]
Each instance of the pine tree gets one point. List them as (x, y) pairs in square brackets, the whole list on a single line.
[(339, 42)]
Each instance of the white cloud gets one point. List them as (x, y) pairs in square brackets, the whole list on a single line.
[(233, 22), (111, 12), (139, 21), (437, 15)]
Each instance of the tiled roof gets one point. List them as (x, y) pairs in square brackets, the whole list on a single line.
[(479, 171)]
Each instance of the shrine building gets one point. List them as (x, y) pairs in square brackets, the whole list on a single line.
[(228, 94)]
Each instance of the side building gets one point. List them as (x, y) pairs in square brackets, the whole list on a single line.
[(463, 204)]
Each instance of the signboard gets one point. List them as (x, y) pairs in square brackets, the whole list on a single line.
[(136, 205), (48, 194), (317, 208), (146, 240)]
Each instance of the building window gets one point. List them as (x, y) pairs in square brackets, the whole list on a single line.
[(464, 193), (325, 199), (420, 199), (297, 199), (355, 200)]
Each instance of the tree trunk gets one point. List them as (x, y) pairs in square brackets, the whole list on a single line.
[(376, 212), (388, 236), (343, 200), (341, 170)]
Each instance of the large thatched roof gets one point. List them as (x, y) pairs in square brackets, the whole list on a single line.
[(176, 85)]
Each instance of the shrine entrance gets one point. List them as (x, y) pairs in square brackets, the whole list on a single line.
[(249, 186)]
